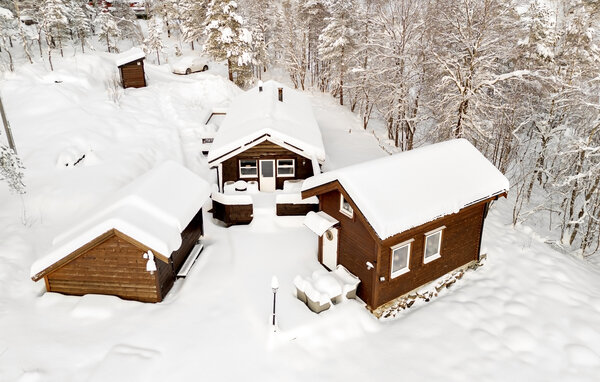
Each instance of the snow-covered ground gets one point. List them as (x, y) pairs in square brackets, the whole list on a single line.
[(530, 313)]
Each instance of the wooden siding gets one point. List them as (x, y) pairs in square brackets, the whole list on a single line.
[(233, 214), (460, 245), (189, 237), (132, 74), (113, 266), (356, 244), (289, 209), (267, 150)]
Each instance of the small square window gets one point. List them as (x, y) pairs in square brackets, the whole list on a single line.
[(345, 207), (248, 168), (433, 245), (285, 168), (400, 259)]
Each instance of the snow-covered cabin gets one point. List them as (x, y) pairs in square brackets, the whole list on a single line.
[(269, 135), (134, 244), (402, 221), (131, 68)]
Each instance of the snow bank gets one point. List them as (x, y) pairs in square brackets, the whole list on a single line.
[(408, 189), (256, 113), (153, 209)]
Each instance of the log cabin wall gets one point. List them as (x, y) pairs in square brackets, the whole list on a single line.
[(113, 266), (189, 237), (132, 74), (355, 245), (459, 246), (267, 150)]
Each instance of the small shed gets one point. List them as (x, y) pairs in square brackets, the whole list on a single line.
[(402, 221), (269, 135), (134, 245), (131, 68)]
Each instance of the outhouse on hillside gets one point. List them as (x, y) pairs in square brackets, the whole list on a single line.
[(135, 244), (404, 220), (131, 68)]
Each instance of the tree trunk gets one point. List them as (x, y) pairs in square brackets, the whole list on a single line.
[(230, 69), (50, 58), (157, 56)]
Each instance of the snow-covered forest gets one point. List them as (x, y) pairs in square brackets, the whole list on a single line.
[(518, 78)]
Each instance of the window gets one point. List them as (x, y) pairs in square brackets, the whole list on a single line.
[(400, 258), (285, 167), (345, 207), (433, 245), (248, 168), (207, 140)]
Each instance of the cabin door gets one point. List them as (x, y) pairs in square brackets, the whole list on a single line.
[(267, 175), (330, 248)]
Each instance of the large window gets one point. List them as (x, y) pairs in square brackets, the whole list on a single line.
[(400, 258), (248, 168), (345, 207), (285, 167), (433, 245)]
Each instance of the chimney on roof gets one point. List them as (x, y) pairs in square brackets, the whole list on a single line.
[(280, 91), (260, 86)]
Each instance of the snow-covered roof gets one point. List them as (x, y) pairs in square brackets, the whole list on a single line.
[(319, 222), (128, 56), (253, 114), (408, 189), (153, 209)]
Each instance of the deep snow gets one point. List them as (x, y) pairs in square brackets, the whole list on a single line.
[(530, 313)]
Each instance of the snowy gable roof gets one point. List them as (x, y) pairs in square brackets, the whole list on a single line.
[(128, 56), (153, 209), (255, 113), (412, 188)]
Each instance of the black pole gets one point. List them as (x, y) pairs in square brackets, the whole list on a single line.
[(274, 301)]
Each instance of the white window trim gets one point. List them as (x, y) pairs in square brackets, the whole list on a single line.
[(342, 210), (293, 166), (405, 269), (439, 253), (248, 176)]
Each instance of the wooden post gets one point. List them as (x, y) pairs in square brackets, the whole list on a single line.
[(9, 137)]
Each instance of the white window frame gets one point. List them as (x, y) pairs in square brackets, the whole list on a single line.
[(292, 166), (344, 211), (406, 269), (255, 167), (437, 255)]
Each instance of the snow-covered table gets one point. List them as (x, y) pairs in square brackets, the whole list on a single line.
[(324, 288)]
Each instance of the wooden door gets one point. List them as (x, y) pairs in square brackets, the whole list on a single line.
[(330, 248), (267, 175)]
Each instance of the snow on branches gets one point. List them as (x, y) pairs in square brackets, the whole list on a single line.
[(227, 39), (11, 170)]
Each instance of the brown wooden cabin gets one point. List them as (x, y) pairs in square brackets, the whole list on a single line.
[(267, 163), (269, 135), (113, 263), (131, 68), (109, 253), (391, 263)]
